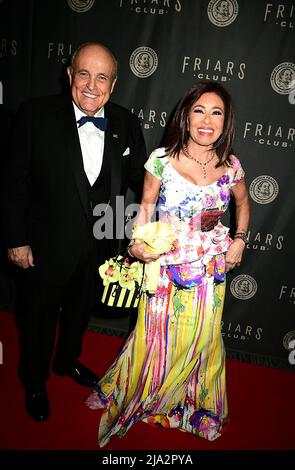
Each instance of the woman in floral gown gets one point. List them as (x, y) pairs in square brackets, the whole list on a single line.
[(171, 370)]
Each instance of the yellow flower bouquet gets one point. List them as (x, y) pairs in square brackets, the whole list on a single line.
[(159, 237)]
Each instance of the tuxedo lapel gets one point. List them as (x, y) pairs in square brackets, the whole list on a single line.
[(111, 151), (68, 125)]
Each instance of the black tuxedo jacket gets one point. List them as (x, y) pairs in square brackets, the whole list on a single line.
[(46, 196)]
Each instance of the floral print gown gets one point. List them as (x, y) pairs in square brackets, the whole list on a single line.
[(171, 370)]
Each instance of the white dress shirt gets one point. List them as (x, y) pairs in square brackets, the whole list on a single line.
[(92, 145)]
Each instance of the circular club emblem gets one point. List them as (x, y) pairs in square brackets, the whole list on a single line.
[(243, 287), (264, 189), (282, 78), (80, 6), (143, 62), (222, 12), (289, 340)]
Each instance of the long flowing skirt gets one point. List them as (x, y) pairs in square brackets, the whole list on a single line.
[(171, 370)]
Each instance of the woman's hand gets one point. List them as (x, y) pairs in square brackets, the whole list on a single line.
[(138, 251), (22, 256), (233, 257)]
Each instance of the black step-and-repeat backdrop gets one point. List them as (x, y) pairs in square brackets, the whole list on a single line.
[(163, 48)]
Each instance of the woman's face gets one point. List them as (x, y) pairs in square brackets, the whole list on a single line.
[(206, 119)]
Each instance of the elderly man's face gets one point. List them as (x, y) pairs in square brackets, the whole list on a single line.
[(92, 79)]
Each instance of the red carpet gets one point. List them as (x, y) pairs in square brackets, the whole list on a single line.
[(261, 404)]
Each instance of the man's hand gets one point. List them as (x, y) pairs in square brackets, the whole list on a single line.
[(22, 256)]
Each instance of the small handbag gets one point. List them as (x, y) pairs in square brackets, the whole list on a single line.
[(122, 281)]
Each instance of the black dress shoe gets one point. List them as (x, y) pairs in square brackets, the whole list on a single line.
[(37, 404), (80, 374)]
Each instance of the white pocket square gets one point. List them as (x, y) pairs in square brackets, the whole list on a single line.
[(127, 151)]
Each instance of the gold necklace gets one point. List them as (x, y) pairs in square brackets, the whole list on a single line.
[(202, 164)]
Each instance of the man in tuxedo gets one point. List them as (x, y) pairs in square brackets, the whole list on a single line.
[(70, 153)]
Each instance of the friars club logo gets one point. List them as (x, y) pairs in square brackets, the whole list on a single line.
[(263, 241), (289, 345), (281, 14), (213, 69), (80, 6), (282, 78), (241, 332), (264, 189), (287, 293), (8, 47), (270, 134), (151, 118), (222, 12), (288, 338), (152, 7), (143, 62), (59, 51), (243, 287)]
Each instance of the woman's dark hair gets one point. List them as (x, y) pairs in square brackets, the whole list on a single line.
[(178, 134)]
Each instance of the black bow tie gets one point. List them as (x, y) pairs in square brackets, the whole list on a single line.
[(99, 122)]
